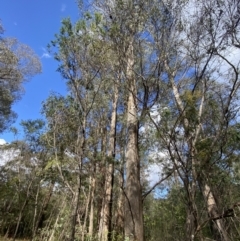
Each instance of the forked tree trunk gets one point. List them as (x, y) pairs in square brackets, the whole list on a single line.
[(106, 212), (133, 227)]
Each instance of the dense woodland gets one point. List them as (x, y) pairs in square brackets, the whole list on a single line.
[(151, 85)]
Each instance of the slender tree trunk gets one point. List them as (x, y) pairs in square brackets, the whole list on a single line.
[(193, 210), (192, 219), (192, 216), (35, 213), (133, 199), (79, 150), (42, 210), (87, 208), (106, 212), (213, 212), (119, 214), (8, 210), (74, 211), (54, 228), (92, 207), (22, 209), (81, 141), (61, 210)]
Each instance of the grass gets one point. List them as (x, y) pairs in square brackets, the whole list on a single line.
[(10, 239)]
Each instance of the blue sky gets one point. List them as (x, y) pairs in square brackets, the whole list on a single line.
[(34, 22)]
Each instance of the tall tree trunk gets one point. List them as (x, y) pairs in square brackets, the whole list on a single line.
[(133, 199), (192, 220), (106, 212), (81, 142)]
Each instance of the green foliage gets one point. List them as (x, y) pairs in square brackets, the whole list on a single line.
[(32, 126), (18, 63), (47, 184), (191, 101), (63, 116), (164, 219)]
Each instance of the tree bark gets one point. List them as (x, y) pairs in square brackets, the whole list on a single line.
[(133, 195), (86, 208), (81, 141), (106, 212), (190, 185), (91, 214), (119, 214), (213, 212), (34, 228)]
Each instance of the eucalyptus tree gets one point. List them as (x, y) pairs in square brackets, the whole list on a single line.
[(130, 30), (82, 54), (106, 211), (61, 138), (155, 52), (204, 84)]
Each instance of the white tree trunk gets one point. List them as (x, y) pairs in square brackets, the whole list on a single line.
[(213, 211)]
